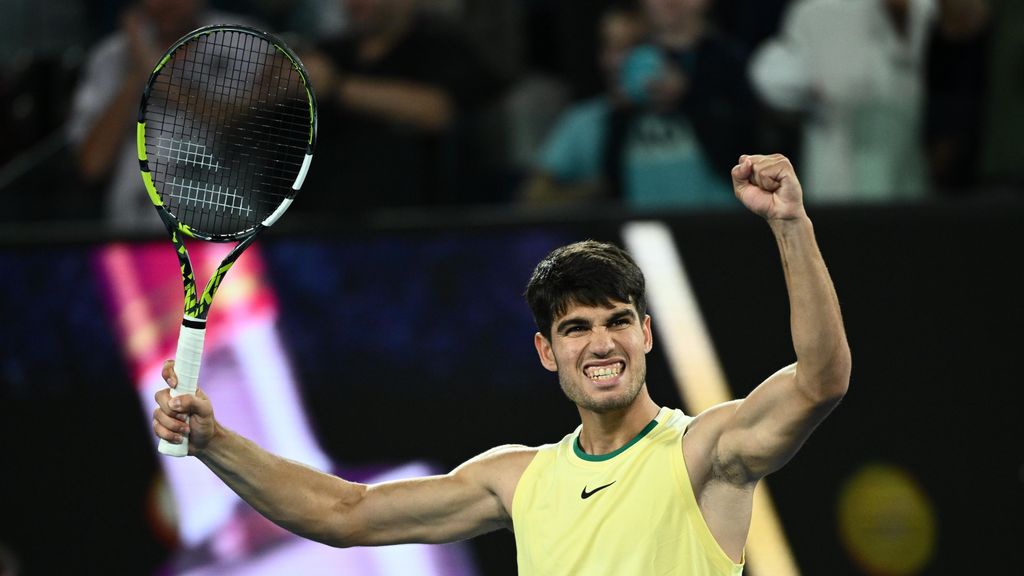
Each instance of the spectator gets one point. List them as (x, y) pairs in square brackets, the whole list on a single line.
[(106, 101), (855, 69), (395, 96), (670, 128), (571, 165)]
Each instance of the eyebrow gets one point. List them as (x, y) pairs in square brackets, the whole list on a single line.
[(573, 322), (627, 313)]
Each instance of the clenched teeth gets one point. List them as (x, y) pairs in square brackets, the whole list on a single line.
[(599, 373)]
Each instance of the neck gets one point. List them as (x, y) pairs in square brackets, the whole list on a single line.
[(606, 432), (684, 35)]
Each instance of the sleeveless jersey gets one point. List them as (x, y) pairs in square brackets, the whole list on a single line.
[(628, 513)]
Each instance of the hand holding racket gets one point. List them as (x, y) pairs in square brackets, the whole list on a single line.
[(226, 133), (185, 417)]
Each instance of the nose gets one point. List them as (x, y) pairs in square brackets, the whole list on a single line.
[(601, 343)]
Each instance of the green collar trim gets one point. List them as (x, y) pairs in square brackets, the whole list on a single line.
[(604, 457)]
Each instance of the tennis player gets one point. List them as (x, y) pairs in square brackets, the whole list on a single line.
[(637, 488)]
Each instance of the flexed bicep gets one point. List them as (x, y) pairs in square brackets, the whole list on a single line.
[(767, 428)]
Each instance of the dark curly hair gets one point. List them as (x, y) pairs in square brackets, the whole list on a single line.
[(590, 273)]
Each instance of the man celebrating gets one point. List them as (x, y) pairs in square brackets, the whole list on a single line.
[(637, 488)]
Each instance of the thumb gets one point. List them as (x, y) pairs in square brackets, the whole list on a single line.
[(194, 405), (201, 405), (741, 173)]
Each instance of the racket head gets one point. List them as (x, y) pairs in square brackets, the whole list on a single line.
[(226, 132)]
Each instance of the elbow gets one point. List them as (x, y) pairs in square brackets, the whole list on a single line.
[(835, 379), (336, 538), (827, 382), (338, 524), (432, 109), (439, 115), (337, 543)]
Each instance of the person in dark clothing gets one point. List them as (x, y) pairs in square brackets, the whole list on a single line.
[(395, 95), (692, 114)]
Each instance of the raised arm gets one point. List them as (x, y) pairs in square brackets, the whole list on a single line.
[(424, 106), (472, 499), (758, 435), (107, 101)]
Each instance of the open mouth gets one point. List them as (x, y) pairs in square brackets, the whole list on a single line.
[(604, 373)]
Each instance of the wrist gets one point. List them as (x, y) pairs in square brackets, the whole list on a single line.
[(787, 224), (213, 445)]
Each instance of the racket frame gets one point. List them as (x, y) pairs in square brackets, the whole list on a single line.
[(188, 355)]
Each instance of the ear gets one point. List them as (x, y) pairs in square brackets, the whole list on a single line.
[(648, 335), (544, 351)]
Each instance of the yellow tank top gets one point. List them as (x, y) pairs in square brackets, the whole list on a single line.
[(628, 513)]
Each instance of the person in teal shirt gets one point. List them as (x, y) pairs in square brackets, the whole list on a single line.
[(665, 133)]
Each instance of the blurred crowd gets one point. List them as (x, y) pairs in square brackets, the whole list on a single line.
[(644, 104)]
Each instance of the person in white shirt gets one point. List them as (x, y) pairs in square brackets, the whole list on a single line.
[(101, 126), (854, 69)]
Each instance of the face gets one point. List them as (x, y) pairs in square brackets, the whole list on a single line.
[(670, 14), (619, 33), (599, 354)]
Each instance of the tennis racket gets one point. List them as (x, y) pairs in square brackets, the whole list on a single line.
[(226, 131)]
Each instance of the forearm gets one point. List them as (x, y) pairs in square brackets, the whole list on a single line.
[(101, 145), (819, 339), (425, 107), (300, 499)]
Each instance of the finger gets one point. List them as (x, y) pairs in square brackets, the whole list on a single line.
[(782, 169), (767, 172), (167, 404), (199, 404), (196, 405), (164, 434), (741, 172), (168, 374), (169, 422)]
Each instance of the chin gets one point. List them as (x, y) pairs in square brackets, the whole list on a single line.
[(611, 405), (604, 403)]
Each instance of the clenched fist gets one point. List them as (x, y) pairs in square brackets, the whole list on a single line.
[(768, 186)]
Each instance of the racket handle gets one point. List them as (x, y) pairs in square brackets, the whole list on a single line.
[(186, 366)]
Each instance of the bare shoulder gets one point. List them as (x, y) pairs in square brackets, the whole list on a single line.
[(701, 441), (499, 469), (499, 463)]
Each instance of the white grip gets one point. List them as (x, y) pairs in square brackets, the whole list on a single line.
[(186, 366)]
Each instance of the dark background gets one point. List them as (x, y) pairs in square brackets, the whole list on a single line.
[(423, 319)]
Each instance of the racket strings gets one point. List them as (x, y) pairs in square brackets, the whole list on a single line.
[(229, 123)]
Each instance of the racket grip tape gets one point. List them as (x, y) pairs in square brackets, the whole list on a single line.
[(186, 365)]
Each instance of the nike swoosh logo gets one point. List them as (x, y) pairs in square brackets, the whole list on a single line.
[(586, 494)]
